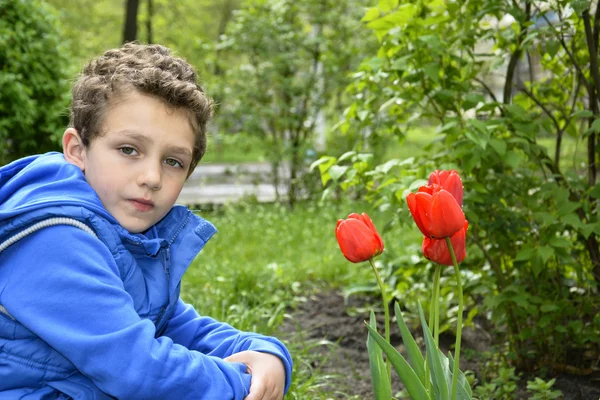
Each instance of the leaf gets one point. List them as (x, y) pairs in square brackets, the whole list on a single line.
[(512, 159), (499, 146), (414, 353), (546, 252), (525, 254), (438, 378), (559, 242), (480, 135), (583, 114), (387, 5), (595, 125), (346, 156), (407, 375), (379, 375), (552, 47), (432, 70), (336, 171), (371, 14), (323, 160), (463, 391)]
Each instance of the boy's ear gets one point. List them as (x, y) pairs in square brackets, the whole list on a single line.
[(73, 148)]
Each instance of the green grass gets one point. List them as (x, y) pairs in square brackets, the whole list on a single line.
[(265, 255)]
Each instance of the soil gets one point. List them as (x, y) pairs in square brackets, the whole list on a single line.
[(338, 328)]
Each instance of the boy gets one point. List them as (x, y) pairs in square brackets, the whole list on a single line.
[(89, 297)]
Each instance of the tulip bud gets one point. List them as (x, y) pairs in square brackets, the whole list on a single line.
[(358, 238), (449, 180), (436, 212)]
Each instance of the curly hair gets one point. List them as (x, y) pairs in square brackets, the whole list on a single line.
[(148, 69)]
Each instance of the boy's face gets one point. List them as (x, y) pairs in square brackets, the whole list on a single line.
[(140, 163)]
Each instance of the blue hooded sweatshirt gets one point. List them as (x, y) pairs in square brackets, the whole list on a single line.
[(96, 314)]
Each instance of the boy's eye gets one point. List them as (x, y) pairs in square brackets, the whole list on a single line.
[(127, 150), (173, 163)]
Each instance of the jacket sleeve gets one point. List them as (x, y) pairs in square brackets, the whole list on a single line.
[(218, 339), (64, 286)]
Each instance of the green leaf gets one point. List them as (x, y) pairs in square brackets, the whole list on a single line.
[(583, 114), (414, 353), (525, 254), (379, 375), (548, 307), (546, 252), (346, 155), (387, 5), (438, 378), (463, 391), (323, 160), (477, 137), (407, 375), (336, 171), (371, 14), (512, 159), (552, 47), (498, 145), (595, 125), (432, 70), (559, 242)]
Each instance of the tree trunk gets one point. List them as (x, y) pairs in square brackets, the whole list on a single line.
[(131, 12), (149, 21)]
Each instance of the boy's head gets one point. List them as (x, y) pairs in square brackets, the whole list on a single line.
[(149, 70), (138, 129)]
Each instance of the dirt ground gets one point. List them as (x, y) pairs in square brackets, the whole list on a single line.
[(324, 316)]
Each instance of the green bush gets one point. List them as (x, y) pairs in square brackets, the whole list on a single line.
[(503, 82), (35, 92)]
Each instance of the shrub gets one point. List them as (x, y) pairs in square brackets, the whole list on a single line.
[(33, 104)]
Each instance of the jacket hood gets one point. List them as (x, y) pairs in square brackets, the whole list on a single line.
[(40, 181)]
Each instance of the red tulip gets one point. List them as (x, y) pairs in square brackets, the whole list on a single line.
[(449, 180), (358, 238), (436, 211), (437, 251)]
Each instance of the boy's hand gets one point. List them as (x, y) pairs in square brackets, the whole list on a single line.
[(268, 374)]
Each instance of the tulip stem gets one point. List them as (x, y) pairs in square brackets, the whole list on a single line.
[(458, 320), (436, 305), (387, 315), (434, 320)]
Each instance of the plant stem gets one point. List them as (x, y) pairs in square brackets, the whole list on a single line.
[(436, 304), (434, 320), (387, 315), (458, 320)]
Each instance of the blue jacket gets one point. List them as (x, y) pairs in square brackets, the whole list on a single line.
[(89, 317)]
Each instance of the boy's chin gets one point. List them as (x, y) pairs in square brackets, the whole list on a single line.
[(136, 226)]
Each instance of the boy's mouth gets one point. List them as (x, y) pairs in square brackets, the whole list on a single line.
[(142, 204)]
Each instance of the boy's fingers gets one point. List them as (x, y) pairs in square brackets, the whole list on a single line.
[(257, 390)]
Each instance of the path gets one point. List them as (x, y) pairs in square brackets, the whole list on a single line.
[(217, 183)]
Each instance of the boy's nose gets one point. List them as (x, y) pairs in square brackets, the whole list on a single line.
[(151, 176)]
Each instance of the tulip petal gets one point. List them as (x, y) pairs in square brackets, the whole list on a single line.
[(417, 204), (446, 215), (454, 185), (357, 241), (437, 251)]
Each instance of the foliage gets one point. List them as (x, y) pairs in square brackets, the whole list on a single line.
[(498, 79), (290, 60), (34, 59), (543, 390)]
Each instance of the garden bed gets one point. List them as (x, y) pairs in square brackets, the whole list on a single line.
[(342, 357)]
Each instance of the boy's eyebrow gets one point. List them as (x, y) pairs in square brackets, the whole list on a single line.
[(145, 139)]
